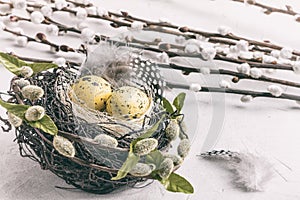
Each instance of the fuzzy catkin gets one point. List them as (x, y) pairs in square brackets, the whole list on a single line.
[(141, 169), (14, 120), (106, 140), (183, 148), (177, 160), (172, 130), (166, 168), (22, 83), (63, 146), (34, 113), (145, 146), (32, 92)]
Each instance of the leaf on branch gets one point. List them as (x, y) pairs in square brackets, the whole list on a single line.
[(16, 109), (179, 102), (45, 124), (176, 183), (127, 166), (39, 67), (168, 106), (11, 63), (155, 157), (132, 158), (14, 64)]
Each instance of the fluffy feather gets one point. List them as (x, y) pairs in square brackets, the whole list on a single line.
[(250, 172)]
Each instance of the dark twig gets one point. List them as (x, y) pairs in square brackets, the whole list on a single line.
[(236, 91), (187, 70), (237, 76), (151, 25), (41, 38)]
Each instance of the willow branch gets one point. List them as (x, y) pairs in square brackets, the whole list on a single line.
[(151, 25), (237, 76), (41, 38), (80, 4), (187, 70), (38, 60), (219, 56), (269, 9), (253, 63), (160, 27), (254, 94)]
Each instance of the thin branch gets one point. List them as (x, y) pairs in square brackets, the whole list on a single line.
[(254, 94), (237, 76), (41, 38), (78, 4), (253, 63), (269, 9), (187, 70), (219, 56), (31, 39), (151, 25), (160, 27)]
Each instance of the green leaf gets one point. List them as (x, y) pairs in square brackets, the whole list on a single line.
[(39, 67), (127, 166), (176, 183), (155, 157), (16, 109), (151, 130), (168, 106), (179, 102), (45, 124), (11, 63), (133, 159), (14, 64)]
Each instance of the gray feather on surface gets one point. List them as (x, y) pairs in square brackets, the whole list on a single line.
[(251, 172)]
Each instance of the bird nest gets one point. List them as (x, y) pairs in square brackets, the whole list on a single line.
[(73, 153)]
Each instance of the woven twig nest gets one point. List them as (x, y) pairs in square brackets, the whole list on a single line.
[(91, 146)]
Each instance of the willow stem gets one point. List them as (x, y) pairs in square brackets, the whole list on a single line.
[(160, 27), (269, 9), (222, 90), (187, 70), (254, 94)]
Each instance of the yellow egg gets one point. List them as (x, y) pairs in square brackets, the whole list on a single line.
[(128, 103), (92, 91)]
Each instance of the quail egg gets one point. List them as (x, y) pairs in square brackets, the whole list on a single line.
[(92, 91), (128, 102)]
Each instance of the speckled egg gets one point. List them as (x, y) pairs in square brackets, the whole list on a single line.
[(128, 103), (93, 91)]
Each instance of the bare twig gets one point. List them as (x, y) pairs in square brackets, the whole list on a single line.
[(269, 9)]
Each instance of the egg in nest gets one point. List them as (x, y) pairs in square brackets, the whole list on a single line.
[(128, 102), (92, 91)]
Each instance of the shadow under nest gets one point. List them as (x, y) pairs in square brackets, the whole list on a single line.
[(93, 167)]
